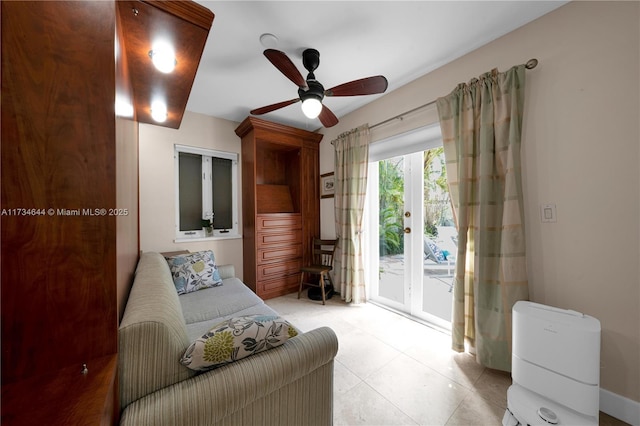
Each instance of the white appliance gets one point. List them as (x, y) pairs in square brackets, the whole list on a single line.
[(555, 367)]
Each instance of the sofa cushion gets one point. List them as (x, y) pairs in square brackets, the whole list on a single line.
[(194, 271), (235, 339), (197, 329), (217, 302)]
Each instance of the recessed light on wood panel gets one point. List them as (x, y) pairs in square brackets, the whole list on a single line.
[(182, 25), (163, 56), (159, 111)]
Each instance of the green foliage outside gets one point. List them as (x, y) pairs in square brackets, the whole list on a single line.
[(437, 208), (391, 181), (391, 189)]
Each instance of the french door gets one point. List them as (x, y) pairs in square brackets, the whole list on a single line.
[(410, 237)]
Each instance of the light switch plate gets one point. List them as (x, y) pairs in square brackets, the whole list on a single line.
[(548, 213)]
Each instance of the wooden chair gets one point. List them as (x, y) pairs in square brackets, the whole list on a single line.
[(323, 252)]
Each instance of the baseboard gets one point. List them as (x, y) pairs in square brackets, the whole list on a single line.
[(620, 407)]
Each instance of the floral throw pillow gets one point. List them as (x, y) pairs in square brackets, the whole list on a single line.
[(235, 339), (194, 271), (439, 254)]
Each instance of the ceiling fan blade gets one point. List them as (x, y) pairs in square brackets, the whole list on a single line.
[(364, 86), (286, 67), (327, 118), (273, 107)]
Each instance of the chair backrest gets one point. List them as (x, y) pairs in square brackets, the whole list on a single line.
[(323, 251)]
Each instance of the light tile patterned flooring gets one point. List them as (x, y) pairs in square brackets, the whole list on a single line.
[(391, 370)]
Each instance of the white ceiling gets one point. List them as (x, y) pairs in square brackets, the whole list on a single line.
[(401, 40)]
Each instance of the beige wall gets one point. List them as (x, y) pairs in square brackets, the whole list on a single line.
[(157, 183), (580, 151)]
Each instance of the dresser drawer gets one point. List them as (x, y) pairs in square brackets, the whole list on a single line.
[(270, 271), (279, 253), (279, 238), (278, 222), (280, 286)]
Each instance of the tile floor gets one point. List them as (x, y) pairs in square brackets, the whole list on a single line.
[(391, 370)]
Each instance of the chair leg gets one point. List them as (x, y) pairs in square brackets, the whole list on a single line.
[(301, 281), (324, 298), (331, 281)]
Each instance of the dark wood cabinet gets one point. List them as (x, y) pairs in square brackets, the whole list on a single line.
[(281, 203), (61, 265), (64, 396), (69, 197)]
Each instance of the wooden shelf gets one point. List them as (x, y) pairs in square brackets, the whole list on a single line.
[(274, 199)]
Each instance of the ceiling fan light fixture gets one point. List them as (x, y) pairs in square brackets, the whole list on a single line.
[(311, 98), (311, 92), (311, 107)]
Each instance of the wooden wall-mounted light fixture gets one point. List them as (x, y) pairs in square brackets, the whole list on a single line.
[(183, 27)]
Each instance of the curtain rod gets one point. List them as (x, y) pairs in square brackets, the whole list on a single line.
[(531, 64)]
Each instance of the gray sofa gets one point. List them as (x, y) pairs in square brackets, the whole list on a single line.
[(291, 384)]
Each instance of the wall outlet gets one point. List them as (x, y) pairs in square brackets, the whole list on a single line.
[(548, 213)]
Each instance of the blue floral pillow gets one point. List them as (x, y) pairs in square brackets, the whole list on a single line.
[(439, 254), (236, 338), (194, 271)]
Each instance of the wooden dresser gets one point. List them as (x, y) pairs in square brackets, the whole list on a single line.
[(280, 203)]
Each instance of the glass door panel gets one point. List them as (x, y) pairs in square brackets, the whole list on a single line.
[(411, 236), (390, 203), (439, 242)]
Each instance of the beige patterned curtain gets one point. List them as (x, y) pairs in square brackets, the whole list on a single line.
[(481, 128), (351, 165)]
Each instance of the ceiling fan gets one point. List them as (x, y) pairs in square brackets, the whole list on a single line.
[(311, 92)]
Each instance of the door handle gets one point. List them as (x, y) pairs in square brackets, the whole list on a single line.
[(407, 230)]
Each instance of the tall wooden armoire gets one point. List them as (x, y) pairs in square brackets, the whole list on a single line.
[(69, 192), (280, 203)]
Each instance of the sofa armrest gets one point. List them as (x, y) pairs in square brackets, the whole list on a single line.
[(227, 271), (225, 392)]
